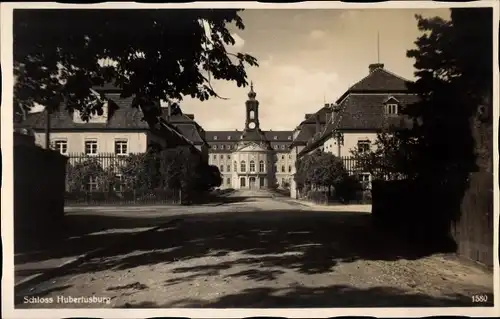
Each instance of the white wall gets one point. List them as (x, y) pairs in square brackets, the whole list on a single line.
[(350, 142), (137, 141)]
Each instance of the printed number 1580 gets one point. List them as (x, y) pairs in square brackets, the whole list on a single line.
[(479, 298)]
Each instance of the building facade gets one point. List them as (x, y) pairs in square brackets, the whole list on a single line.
[(359, 115), (119, 130), (252, 158)]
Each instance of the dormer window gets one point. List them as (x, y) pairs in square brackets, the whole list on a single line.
[(289, 137), (229, 137), (275, 137), (391, 109), (215, 137)]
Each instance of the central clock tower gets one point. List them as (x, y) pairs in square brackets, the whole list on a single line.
[(252, 108)]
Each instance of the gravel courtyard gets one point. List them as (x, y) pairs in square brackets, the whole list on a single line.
[(262, 252)]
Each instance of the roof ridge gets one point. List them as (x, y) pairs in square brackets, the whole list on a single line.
[(396, 75)]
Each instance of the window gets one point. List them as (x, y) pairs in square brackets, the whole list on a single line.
[(289, 138), (243, 166), (391, 109), (275, 167), (61, 146), (275, 137), (261, 166), (228, 181), (121, 147), (252, 166), (364, 178), (242, 182), (252, 115), (282, 168), (364, 146), (221, 156), (289, 168), (228, 156), (289, 156), (229, 137), (215, 137), (275, 147), (215, 157), (282, 157), (214, 147), (93, 184), (283, 147), (235, 166), (221, 169), (90, 147), (228, 168), (118, 185)]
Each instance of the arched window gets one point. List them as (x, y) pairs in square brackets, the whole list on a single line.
[(252, 115), (221, 168), (235, 166), (261, 166), (243, 166), (289, 168), (252, 166), (228, 168), (282, 168)]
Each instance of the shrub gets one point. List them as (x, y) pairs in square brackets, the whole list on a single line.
[(348, 188)]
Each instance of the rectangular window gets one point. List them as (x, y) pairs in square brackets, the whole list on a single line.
[(215, 157), (61, 146), (93, 184), (221, 156), (221, 168), (91, 147), (364, 146), (228, 156), (391, 109), (364, 178), (228, 167), (121, 147), (228, 181), (283, 168), (282, 157), (119, 184)]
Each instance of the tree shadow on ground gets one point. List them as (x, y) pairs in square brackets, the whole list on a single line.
[(337, 296), (236, 199), (309, 242)]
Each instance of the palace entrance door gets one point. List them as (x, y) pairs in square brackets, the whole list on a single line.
[(252, 182)]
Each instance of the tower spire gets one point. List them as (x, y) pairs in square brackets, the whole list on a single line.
[(252, 93)]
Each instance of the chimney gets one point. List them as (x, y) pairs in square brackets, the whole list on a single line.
[(375, 66)]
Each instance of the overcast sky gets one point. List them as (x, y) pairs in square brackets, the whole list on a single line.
[(307, 56)]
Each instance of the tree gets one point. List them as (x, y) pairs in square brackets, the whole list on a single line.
[(454, 75), (213, 177), (155, 55), (453, 62)]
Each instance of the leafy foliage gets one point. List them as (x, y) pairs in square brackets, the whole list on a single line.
[(79, 176), (324, 170), (146, 174), (155, 55)]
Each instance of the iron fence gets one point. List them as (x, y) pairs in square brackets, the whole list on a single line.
[(98, 180)]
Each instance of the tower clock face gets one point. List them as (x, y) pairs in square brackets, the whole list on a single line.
[(251, 125)]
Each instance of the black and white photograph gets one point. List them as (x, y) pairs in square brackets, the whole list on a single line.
[(314, 159)]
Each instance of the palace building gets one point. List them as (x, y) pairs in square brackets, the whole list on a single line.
[(252, 158)]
